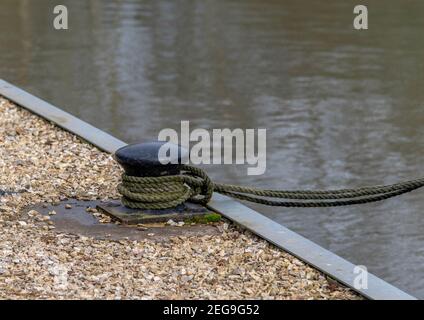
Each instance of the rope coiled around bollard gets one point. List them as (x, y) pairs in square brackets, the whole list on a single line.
[(194, 185)]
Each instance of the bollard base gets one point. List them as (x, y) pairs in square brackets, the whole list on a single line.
[(187, 212), (72, 216)]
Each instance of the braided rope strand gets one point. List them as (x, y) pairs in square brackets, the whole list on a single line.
[(194, 185)]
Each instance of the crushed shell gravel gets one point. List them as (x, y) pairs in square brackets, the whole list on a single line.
[(40, 162)]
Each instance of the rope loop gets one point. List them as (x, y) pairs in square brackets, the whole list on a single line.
[(194, 185)]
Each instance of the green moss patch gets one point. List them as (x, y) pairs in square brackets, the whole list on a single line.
[(207, 218)]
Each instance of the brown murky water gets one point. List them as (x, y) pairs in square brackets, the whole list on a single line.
[(343, 108)]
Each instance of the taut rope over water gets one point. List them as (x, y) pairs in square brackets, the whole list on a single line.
[(194, 185)]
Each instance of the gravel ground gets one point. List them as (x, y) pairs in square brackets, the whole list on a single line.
[(42, 163)]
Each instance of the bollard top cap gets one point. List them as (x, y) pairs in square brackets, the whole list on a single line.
[(142, 159)]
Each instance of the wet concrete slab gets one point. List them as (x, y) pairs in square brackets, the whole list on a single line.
[(73, 216)]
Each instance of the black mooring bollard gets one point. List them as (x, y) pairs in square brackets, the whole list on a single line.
[(142, 159)]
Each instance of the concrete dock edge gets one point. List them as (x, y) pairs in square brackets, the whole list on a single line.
[(311, 253)]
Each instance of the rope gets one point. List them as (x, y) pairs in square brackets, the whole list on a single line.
[(194, 185)]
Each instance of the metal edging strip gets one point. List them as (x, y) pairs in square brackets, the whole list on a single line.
[(297, 245), (86, 131)]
